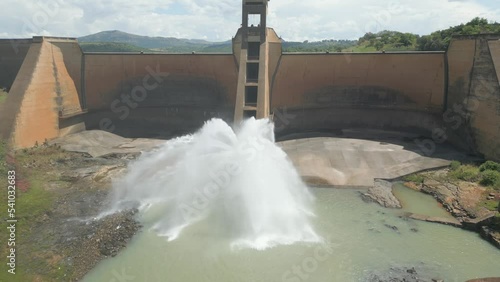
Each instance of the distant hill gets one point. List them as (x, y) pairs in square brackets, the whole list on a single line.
[(111, 47), (118, 41), (165, 44), (318, 46), (437, 41)]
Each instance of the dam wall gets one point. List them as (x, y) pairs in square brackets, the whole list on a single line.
[(331, 92), (58, 90), (43, 91), (396, 91), (152, 95), (12, 54), (473, 107)]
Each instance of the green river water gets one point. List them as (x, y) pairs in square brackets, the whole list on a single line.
[(359, 238)]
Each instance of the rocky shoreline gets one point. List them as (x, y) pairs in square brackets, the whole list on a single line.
[(87, 240), (462, 200), (67, 238)]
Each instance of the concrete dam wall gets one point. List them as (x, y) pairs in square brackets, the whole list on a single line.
[(158, 95), (59, 90), (473, 104), (12, 54), (326, 91), (45, 88), (396, 91)]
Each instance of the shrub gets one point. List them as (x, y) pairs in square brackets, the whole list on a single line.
[(417, 178), (490, 178), (496, 185), (454, 165), (466, 173), (489, 165)]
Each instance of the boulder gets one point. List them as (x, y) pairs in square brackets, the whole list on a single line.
[(381, 193)]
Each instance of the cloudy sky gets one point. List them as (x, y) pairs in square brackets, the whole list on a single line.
[(218, 20)]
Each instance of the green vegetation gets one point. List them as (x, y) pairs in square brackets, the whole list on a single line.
[(111, 47), (389, 41), (465, 172), (218, 48), (3, 163), (117, 41), (33, 202), (489, 165), (491, 205), (454, 165), (125, 42), (3, 95), (490, 178), (490, 174), (319, 46), (125, 47), (439, 40), (436, 41), (486, 174), (417, 178)]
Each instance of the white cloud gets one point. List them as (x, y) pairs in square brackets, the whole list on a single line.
[(218, 20)]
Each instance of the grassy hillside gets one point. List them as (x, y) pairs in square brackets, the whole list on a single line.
[(318, 46), (167, 44), (225, 47), (124, 47), (110, 47)]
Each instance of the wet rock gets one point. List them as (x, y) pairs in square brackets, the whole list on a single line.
[(411, 270), (107, 173), (490, 235), (77, 174), (104, 238), (400, 274), (464, 201), (445, 221), (392, 227), (381, 193)]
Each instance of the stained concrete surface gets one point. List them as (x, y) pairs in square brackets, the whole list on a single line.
[(331, 161), (357, 162), (99, 143)]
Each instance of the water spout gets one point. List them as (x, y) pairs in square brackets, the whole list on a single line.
[(239, 181)]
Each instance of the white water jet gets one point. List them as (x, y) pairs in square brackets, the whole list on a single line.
[(240, 182)]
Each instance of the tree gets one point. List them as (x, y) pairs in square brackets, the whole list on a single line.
[(477, 21), (406, 39), (379, 45), (439, 40)]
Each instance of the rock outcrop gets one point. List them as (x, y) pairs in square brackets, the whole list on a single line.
[(381, 193)]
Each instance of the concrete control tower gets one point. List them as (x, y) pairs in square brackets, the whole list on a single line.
[(252, 50)]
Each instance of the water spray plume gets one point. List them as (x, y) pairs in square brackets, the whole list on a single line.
[(240, 182)]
